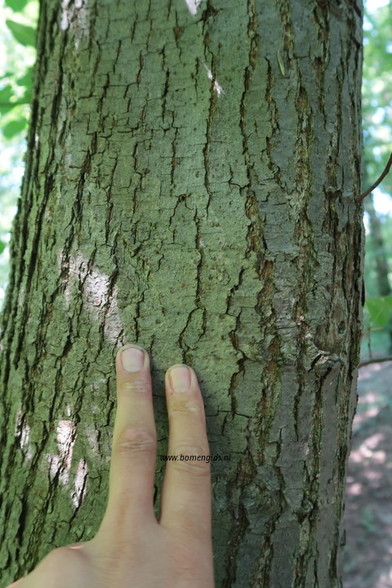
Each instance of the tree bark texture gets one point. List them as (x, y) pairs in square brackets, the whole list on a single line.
[(190, 185)]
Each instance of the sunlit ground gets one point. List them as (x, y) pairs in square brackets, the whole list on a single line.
[(368, 521)]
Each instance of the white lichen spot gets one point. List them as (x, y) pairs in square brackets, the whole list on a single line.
[(217, 87), (65, 436), (64, 21), (79, 490), (68, 161), (22, 430), (74, 14), (54, 464), (70, 271), (61, 464), (24, 439), (92, 438), (99, 296), (193, 5), (113, 327)]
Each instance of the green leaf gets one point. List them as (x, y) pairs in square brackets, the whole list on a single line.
[(5, 104), (16, 5), (2, 246), (7, 74), (380, 310), (25, 80), (14, 127), (7, 107), (22, 33), (6, 93), (4, 108), (26, 99)]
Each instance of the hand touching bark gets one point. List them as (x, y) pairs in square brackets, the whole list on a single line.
[(132, 549)]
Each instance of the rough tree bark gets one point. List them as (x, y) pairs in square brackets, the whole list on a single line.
[(190, 185)]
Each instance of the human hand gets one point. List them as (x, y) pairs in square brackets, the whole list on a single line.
[(132, 549)]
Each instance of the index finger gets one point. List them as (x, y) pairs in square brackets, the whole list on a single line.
[(132, 468), (186, 493)]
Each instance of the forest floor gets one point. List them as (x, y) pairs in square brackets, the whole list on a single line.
[(368, 517)]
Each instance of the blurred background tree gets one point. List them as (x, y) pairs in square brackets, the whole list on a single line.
[(377, 134), (17, 56)]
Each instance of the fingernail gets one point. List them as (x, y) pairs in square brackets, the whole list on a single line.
[(180, 378), (132, 359)]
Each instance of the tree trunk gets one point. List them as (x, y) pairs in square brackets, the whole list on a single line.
[(190, 185)]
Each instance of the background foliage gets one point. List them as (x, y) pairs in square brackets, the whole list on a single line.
[(377, 137), (17, 56), (18, 20)]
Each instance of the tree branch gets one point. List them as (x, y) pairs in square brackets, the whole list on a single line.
[(375, 360), (380, 179)]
